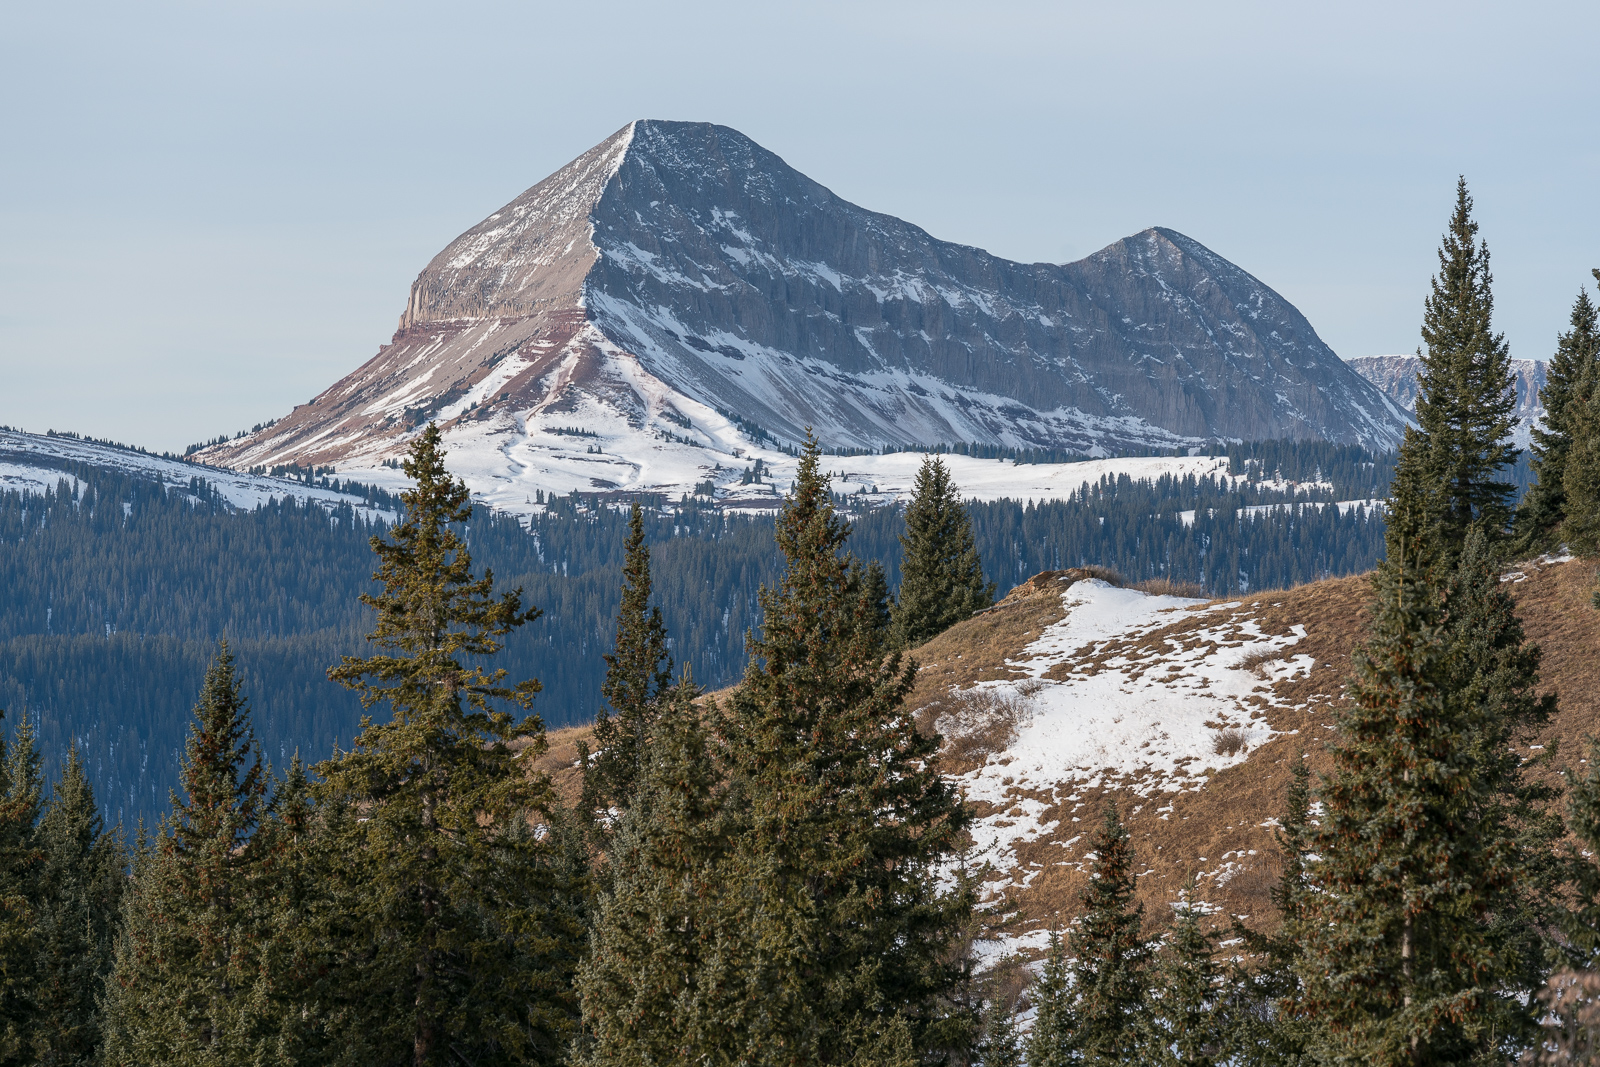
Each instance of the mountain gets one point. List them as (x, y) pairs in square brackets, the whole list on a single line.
[(1396, 376), (686, 299)]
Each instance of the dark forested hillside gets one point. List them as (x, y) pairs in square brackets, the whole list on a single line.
[(115, 590)]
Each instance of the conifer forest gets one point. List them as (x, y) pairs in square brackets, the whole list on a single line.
[(266, 798), (119, 588)]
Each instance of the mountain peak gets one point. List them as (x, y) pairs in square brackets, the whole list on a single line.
[(679, 274)]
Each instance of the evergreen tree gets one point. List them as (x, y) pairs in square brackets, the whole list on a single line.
[(1189, 1027), (666, 947), (1399, 961), (879, 601), (293, 885), (1493, 675), (1271, 1028), (638, 671), (20, 791), (1102, 1013), (190, 978), (81, 885), (457, 950), (1002, 1047), (1568, 378), (941, 578), (1446, 478), (843, 820), (1580, 482), (1581, 925), (1054, 1024)]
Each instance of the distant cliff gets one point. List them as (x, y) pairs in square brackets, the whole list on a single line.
[(1397, 377)]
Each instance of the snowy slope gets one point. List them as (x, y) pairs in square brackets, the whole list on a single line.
[(508, 469), (1106, 704), (38, 462)]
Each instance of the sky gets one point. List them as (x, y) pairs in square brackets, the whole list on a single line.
[(210, 212)]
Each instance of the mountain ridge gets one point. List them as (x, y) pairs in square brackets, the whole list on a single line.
[(680, 282)]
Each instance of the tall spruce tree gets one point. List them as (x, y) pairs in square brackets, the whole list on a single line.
[(81, 885), (843, 821), (1580, 526), (1568, 384), (666, 948), (1494, 672), (1400, 960), (941, 577), (638, 672), (457, 951), (1447, 475), (190, 982), (300, 948), (1102, 1010), (20, 792)]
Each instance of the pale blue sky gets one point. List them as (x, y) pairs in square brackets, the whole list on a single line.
[(209, 212)]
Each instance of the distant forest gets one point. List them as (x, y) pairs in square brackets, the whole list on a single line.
[(116, 592)]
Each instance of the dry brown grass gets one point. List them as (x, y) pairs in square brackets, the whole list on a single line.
[(976, 723), (560, 761), (1168, 587), (1175, 835), (1229, 742)]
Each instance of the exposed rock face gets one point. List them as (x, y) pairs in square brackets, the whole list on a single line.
[(1397, 377), (681, 264)]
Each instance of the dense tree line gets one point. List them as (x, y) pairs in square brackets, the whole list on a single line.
[(117, 588), (761, 877)]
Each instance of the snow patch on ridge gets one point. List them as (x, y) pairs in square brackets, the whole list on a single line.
[(1131, 690), (31, 463)]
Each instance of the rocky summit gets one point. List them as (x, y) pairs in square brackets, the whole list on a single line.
[(686, 281), (1397, 377)]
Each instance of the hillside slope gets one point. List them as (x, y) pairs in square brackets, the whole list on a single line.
[(1072, 693)]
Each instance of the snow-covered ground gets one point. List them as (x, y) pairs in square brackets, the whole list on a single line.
[(508, 463), (32, 462), (1344, 506), (1129, 689)]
